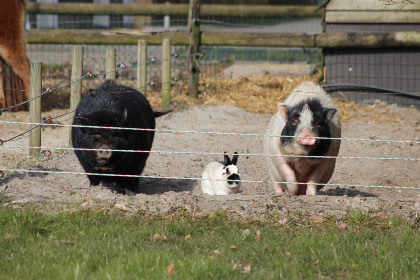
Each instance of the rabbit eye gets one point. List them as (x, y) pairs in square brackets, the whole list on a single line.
[(227, 171)]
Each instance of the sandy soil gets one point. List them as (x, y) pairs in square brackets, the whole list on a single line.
[(255, 199)]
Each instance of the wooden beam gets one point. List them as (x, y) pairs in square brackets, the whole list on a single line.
[(252, 39), (173, 10), (368, 40)]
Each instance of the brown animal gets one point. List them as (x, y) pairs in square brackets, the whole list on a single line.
[(12, 41)]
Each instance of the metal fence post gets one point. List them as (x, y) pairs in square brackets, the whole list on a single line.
[(111, 63), (76, 88), (35, 108), (141, 66), (166, 74)]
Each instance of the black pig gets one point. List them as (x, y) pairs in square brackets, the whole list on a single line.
[(113, 105)]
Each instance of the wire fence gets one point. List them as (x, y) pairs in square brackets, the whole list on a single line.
[(47, 122)]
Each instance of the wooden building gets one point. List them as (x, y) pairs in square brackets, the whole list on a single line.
[(392, 69)]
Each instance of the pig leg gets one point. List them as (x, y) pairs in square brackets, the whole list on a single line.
[(274, 176), (94, 180), (288, 175), (315, 177)]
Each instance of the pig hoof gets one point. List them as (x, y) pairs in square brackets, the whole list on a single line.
[(277, 188)]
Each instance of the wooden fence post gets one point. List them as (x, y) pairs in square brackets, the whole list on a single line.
[(76, 88), (141, 66), (166, 74), (194, 48), (35, 108), (111, 63)]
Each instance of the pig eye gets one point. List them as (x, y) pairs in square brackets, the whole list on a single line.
[(295, 122)]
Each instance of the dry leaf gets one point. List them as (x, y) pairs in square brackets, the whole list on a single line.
[(257, 236), (233, 247), (217, 252), (170, 270), (283, 221), (287, 254), (342, 225), (121, 206), (317, 219), (158, 236), (246, 232), (11, 236), (188, 237), (246, 269), (69, 242)]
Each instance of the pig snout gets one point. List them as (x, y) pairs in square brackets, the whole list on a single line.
[(306, 138), (104, 154)]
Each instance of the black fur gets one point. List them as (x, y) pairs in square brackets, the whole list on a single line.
[(234, 178), (227, 160), (320, 126), (114, 105)]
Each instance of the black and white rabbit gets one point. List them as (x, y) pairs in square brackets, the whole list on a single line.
[(221, 178)]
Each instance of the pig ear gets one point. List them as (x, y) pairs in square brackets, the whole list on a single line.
[(226, 159), (329, 114), (81, 121), (235, 158), (282, 109)]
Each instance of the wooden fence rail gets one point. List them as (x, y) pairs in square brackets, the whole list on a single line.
[(174, 10), (210, 38)]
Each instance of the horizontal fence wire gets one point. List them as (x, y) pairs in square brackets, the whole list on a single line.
[(47, 122), (199, 179), (213, 132), (91, 75), (204, 153)]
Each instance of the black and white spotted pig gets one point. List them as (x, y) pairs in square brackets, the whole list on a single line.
[(307, 113)]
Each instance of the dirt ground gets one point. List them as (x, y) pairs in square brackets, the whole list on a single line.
[(255, 199)]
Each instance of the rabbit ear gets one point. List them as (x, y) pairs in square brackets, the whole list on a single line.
[(227, 160), (235, 158)]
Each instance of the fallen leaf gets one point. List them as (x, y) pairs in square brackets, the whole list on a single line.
[(170, 270), (11, 236), (342, 225), (69, 242), (188, 237), (217, 252), (283, 221), (257, 236), (246, 269), (287, 254), (158, 236), (317, 219), (246, 232), (233, 247), (121, 206)]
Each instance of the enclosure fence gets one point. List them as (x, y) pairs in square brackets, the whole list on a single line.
[(47, 150)]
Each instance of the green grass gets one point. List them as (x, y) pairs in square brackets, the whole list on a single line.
[(107, 244)]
